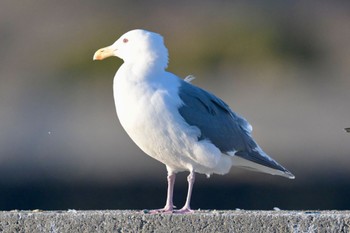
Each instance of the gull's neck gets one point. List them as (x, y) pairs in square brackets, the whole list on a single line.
[(145, 68), (139, 72)]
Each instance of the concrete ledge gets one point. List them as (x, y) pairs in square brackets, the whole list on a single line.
[(200, 221)]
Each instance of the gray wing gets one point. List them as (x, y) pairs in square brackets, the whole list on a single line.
[(220, 125)]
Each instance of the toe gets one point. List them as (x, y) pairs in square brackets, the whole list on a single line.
[(165, 210), (184, 211)]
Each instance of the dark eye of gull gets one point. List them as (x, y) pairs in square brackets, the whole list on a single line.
[(125, 40)]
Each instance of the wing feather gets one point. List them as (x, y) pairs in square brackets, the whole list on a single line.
[(219, 124)]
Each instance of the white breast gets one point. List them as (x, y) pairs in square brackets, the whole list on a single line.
[(147, 110)]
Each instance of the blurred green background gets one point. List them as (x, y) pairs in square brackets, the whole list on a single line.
[(283, 65)]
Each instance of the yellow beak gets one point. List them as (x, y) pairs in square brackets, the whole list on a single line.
[(103, 53)]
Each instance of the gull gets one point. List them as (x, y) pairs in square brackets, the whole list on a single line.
[(175, 122)]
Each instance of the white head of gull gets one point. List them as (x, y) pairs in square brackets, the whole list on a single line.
[(181, 125)]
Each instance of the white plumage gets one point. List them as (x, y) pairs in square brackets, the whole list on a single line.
[(176, 123)]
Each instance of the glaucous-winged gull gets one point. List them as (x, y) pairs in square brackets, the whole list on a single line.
[(175, 122)]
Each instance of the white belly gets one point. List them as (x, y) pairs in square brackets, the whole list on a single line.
[(148, 113)]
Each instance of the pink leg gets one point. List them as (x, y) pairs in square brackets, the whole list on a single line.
[(186, 208), (169, 206)]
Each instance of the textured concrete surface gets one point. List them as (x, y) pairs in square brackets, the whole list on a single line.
[(200, 221)]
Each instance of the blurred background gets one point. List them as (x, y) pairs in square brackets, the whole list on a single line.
[(283, 65)]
